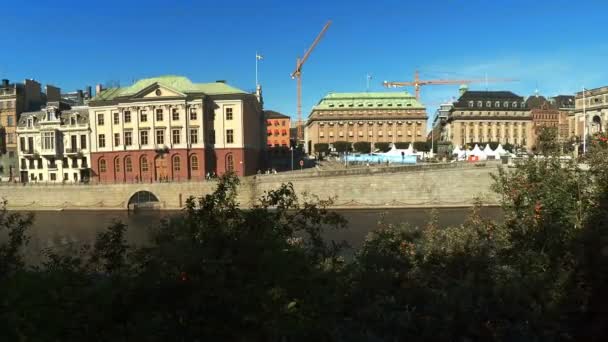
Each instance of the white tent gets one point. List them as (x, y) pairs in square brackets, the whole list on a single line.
[(478, 153), (489, 152), (460, 154), (499, 151)]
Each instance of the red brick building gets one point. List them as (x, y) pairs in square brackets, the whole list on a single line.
[(277, 129), (170, 129)]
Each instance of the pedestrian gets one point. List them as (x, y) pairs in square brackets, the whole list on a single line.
[(208, 176)]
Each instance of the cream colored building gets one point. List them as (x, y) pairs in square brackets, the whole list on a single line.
[(54, 144), (594, 106), (490, 116), (168, 128), (371, 117)]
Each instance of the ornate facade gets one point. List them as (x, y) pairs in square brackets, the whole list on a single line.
[(168, 128), (54, 144), (591, 108), (490, 116), (372, 117)]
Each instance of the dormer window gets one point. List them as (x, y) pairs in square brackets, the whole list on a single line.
[(479, 104), (471, 104), (30, 122), (523, 105), (497, 104), (506, 104), (488, 104), (514, 104), (72, 120), (331, 105)]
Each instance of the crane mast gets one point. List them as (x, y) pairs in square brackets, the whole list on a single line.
[(297, 74)]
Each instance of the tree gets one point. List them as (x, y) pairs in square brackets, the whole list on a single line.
[(422, 146), (382, 146), (362, 147), (342, 146), (402, 145), (547, 140), (321, 148)]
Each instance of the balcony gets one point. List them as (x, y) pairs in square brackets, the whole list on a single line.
[(72, 151), (48, 152), (28, 152)]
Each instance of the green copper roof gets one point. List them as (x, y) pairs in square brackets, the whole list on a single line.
[(385, 100), (179, 83)]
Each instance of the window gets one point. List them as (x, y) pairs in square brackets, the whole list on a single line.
[(83, 141), (116, 118), (471, 104), (488, 104), (321, 134), (102, 165), (102, 140), (143, 116), (48, 140), (128, 164), (116, 165), (192, 113), (193, 136), (194, 163), (175, 114), (159, 115), (22, 146), (116, 139), (497, 104), (229, 136), (64, 163), (144, 164), (100, 119), (479, 104), (229, 162), (143, 137), (175, 136), (9, 120), (506, 104), (228, 113), (128, 138), (73, 143), (176, 163), (127, 116), (160, 136)]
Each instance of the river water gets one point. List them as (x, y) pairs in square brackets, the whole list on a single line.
[(66, 230)]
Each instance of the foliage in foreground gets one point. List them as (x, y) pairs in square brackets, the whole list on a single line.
[(222, 273)]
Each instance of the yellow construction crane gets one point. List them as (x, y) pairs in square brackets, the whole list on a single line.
[(297, 74)]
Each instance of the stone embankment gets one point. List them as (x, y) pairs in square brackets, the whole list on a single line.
[(420, 186)]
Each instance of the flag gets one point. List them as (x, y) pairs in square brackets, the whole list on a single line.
[(259, 57)]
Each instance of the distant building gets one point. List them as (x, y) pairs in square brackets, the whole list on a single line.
[(54, 144), (372, 117), (490, 116), (565, 105), (552, 112), (439, 131), (594, 111), (168, 128), (77, 98), (15, 98), (278, 129)]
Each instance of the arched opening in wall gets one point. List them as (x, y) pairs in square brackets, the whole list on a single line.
[(177, 166), (143, 200), (116, 168), (128, 165), (143, 168), (596, 124), (229, 162), (103, 167)]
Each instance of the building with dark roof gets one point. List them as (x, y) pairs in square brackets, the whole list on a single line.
[(54, 144), (370, 117), (490, 116), (169, 128), (277, 129), (591, 107)]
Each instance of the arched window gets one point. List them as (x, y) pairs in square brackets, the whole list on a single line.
[(102, 165), (116, 165), (144, 164), (176, 163), (128, 164), (194, 163), (229, 162)]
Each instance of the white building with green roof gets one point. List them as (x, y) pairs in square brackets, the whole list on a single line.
[(169, 128), (371, 117)]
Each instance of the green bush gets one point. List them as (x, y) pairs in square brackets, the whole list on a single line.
[(342, 146), (382, 146), (362, 146)]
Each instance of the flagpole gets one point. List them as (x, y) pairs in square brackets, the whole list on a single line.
[(256, 68)]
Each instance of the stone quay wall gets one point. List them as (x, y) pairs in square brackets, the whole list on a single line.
[(457, 185)]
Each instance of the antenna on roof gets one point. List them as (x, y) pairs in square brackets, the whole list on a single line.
[(536, 90), (369, 78)]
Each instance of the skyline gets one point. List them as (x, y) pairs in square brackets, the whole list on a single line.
[(546, 46)]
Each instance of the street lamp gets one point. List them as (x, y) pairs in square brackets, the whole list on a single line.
[(585, 126), (291, 148)]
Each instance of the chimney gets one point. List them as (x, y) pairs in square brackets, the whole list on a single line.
[(98, 89), (5, 83), (89, 92)]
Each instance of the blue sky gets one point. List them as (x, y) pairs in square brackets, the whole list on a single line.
[(555, 46)]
